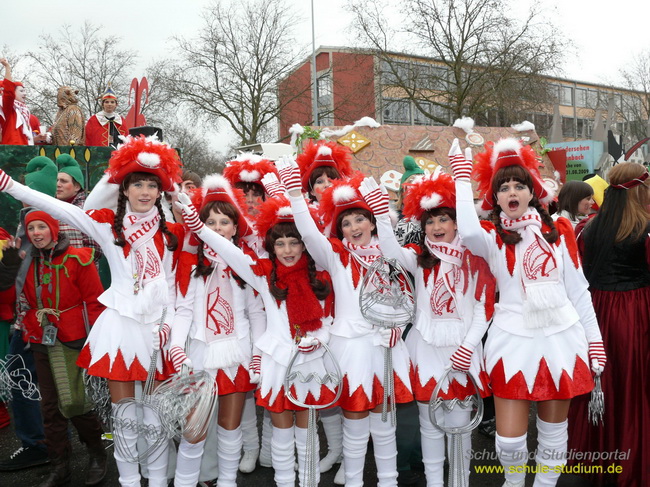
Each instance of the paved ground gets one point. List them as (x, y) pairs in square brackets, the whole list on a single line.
[(262, 477)]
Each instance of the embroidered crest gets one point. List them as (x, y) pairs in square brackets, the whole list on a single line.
[(538, 261), (220, 318)]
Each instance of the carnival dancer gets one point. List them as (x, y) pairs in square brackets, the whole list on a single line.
[(17, 124), (219, 315), (139, 246), (245, 172), (61, 290), (298, 302), (356, 343), (105, 128), (544, 335), (455, 301)]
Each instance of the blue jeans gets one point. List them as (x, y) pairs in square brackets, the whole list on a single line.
[(28, 421)]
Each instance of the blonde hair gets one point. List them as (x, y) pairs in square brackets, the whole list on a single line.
[(635, 216)]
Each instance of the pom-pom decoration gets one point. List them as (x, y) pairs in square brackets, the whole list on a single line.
[(248, 168), (320, 154), (342, 195), (428, 192), (276, 210)]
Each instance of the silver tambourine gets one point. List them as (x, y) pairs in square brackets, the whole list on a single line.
[(387, 299), (469, 403), (335, 378)]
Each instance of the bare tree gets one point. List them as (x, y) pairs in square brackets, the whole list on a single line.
[(486, 61), (636, 106), (229, 73), (83, 59)]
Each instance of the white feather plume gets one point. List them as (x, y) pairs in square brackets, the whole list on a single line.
[(343, 194), (524, 126), (149, 159), (250, 176), (465, 123), (431, 201)]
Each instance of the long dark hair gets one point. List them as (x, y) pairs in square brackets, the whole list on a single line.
[(288, 230), (426, 259), (118, 222), (521, 175), (571, 194), (328, 171)]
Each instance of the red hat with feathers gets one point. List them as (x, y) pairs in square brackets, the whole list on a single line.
[(248, 168), (145, 154), (217, 188), (342, 195), (428, 192), (276, 210), (320, 154), (507, 152)]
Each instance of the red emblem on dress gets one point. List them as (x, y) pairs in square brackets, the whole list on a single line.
[(220, 318), (538, 261)]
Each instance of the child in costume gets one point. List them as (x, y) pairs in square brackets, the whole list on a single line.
[(298, 302), (219, 315), (544, 336), (356, 343), (455, 301), (139, 246)]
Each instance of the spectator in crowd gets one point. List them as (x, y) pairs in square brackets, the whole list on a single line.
[(104, 128), (16, 122), (574, 201), (68, 128)]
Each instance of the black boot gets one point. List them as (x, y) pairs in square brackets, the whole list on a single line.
[(96, 470), (60, 473)]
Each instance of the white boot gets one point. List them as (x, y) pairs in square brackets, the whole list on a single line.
[(301, 449), (283, 456), (228, 451), (385, 447), (339, 478), (129, 472), (267, 433), (433, 448), (552, 439), (188, 463), (333, 428), (355, 445), (157, 459), (512, 452), (250, 436)]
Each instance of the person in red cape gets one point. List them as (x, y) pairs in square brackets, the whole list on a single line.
[(141, 250), (17, 124), (544, 340), (105, 128)]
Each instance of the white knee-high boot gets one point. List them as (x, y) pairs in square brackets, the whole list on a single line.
[(228, 451), (355, 445), (250, 436), (385, 448), (433, 448), (267, 433), (129, 471), (455, 419), (301, 449), (552, 439), (157, 459), (512, 453), (188, 463), (283, 456), (333, 428)]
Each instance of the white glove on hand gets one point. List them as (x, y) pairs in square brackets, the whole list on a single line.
[(5, 180), (461, 359), (272, 185), (190, 216), (390, 336), (375, 196), (254, 369), (161, 336), (597, 356), (308, 344), (178, 358), (461, 166), (289, 173)]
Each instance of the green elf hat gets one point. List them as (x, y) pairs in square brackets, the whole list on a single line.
[(40, 175), (411, 168), (70, 166)]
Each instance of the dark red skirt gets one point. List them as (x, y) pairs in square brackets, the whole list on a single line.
[(624, 320)]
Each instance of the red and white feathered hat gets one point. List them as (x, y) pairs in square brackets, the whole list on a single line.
[(428, 192), (342, 195), (323, 153), (217, 188), (248, 168), (145, 154), (277, 210), (507, 152)]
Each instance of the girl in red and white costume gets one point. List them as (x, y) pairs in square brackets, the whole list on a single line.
[(298, 302), (544, 336), (139, 246), (356, 343), (455, 301), (219, 315)]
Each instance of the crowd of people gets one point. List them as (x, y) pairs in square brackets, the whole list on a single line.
[(18, 126), (252, 274)]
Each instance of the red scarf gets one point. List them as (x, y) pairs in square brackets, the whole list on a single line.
[(303, 307)]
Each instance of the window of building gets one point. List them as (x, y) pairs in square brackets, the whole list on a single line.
[(397, 112), (554, 93), (324, 89), (568, 127), (439, 78), (581, 97), (566, 95), (326, 118), (418, 117), (592, 99)]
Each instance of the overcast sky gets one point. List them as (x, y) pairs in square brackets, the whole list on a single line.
[(606, 35)]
